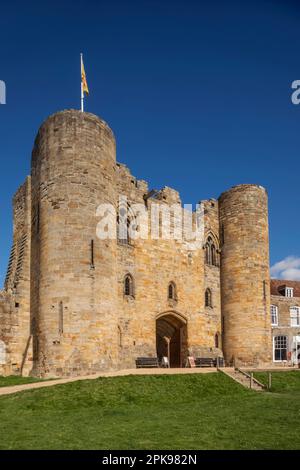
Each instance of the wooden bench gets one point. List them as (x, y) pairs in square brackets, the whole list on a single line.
[(146, 362), (204, 362), (219, 362)]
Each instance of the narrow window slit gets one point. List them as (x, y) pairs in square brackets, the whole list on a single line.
[(61, 318)]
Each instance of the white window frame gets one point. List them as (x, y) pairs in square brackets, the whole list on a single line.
[(295, 315), (287, 349), (276, 315), (289, 292)]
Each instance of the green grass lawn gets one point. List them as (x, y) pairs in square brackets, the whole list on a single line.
[(281, 381), (195, 411), (16, 380)]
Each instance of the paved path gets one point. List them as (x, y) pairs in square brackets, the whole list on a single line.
[(50, 383)]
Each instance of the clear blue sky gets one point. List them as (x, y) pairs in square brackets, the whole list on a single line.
[(197, 93)]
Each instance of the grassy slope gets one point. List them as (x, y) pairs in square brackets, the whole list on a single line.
[(206, 411), (16, 380), (281, 381)]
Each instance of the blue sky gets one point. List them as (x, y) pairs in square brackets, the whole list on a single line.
[(197, 93)]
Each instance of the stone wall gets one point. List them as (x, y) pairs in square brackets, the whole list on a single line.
[(74, 299), (245, 279), (15, 299), (212, 275), (153, 265), (5, 333)]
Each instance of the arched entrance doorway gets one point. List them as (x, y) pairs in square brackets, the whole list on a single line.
[(171, 338)]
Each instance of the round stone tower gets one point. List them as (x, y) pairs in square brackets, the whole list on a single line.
[(74, 289), (245, 276)]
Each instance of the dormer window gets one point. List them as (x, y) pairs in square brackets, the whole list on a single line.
[(289, 292)]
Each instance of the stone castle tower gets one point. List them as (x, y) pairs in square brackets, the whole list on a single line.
[(76, 304), (245, 274)]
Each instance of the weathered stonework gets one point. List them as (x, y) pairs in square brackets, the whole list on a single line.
[(73, 171), (15, 299), (72, 315), (245, 276)]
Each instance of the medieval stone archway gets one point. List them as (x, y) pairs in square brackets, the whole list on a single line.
[(171, 338)]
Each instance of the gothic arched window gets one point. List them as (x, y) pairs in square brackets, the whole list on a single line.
[(123, 231), (210, 252), (126, 223), (213, 255), (128, 285), (208, 298), (172, 294)]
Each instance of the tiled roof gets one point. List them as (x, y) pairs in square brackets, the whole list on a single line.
[(276, 284)]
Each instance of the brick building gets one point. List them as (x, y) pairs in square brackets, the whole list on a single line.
[(285, 321)]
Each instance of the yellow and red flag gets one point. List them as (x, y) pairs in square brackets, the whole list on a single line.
[(85, 88)]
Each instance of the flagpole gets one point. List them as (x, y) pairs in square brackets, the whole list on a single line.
[(82, 94)]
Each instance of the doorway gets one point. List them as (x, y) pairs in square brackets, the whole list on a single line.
[(171, 338)]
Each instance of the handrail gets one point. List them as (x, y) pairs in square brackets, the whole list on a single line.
[(253, 378)]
